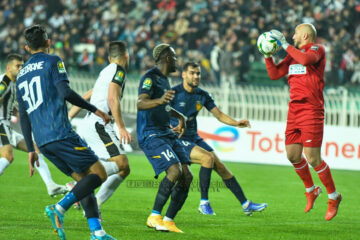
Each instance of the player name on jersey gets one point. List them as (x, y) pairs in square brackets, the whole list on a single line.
[(31, 67)]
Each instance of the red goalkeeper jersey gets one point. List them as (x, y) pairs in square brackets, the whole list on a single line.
[(305, 69)]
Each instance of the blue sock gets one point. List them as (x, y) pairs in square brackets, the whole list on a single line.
[(155, 212), (94, 224), (67, 201)]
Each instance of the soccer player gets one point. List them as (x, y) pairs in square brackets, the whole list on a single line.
[(158, 142), (106, 95), (189, 100), (9, 138), (42, 87), (305, 65)]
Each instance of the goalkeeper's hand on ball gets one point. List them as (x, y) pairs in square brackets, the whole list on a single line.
[(279, 37)]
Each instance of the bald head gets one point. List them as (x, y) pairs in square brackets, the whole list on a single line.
[(309, 29)]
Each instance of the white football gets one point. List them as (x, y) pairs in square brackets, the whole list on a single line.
[(266, 44)]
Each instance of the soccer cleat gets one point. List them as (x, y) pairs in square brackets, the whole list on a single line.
[(254, 207), (157, 223), (56, 189), (333, 208), (206, 209), (105, 237), (57, 220), (311, 197), (69, 186), (171, 226)]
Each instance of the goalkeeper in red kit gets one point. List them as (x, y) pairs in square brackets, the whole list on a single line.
[(305, 65)]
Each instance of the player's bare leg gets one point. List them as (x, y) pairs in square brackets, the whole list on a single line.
[(178, 197), (43, 169), (206, 160), (165, 188), (7, 157), (233, 185), (294, 154), (113, 182), (313, 155)]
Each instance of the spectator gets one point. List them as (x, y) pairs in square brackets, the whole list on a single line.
[(85, 61)]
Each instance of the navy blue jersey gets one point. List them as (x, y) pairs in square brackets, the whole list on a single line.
[(190, 104), (37, 93), (154, 121)]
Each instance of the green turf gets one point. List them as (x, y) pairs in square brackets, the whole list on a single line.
[(23, 199)]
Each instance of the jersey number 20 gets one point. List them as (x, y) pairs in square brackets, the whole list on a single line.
[(33, 100)]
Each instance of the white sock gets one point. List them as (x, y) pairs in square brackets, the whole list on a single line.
[(99, 233), (333, 195), (202, 202), (245, 204), (44, 171), (108, 188), (4, 163), (110, 167), (310, 189), (168, 219), (60, 209)]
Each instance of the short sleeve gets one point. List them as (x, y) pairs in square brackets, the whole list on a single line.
[(119, 76), (209, 101), (146, 85), (58, 71)]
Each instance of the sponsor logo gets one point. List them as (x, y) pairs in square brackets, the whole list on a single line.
[(198, 106), (61, 67), (315, 47), (119, 76), (297, 69), (147, 83), (225, 134)]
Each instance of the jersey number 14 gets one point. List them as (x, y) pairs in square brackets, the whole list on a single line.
[(33, 100)]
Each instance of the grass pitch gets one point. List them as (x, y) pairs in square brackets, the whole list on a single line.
[(23, 199)]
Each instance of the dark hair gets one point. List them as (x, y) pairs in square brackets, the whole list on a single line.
[(117, 49), (36, 37), (13, 56), (164, 52), (190, 64)]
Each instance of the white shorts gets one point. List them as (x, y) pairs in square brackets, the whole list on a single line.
[(101, 139), (8, 135)]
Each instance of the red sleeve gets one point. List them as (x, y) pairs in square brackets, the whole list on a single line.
[(312, 56), (277, 71)]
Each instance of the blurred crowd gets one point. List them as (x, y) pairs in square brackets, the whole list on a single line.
[(219, 34)]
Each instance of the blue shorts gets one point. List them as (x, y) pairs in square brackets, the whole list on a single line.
[(163, 152), (189, 143), (70, 154)]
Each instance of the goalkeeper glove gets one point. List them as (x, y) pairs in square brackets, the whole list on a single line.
[(280, 38)]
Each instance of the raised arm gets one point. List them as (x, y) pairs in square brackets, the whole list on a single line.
[(224, 118), (277, 71), (305, 58)]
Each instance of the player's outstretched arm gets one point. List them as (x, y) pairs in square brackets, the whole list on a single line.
[(74, 110), (224, 118), (114, 94), (144, 102)]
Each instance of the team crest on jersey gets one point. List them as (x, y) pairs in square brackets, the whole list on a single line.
[(147, 83), (167, 108), (61, 67), (315, 47), (198, 106), (119, 76), (182, 104)]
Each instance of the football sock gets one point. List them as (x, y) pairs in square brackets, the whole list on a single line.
[(245, 204), (310, 189), (203, 201), (302, 169), (178, 197), (108, 188), (235, 188), (90, 207), (110, 167), (4, 163), (205, 175), (163, 194), (44, 171), (94, 224), (168, 219), (83, 188), (324, 173)]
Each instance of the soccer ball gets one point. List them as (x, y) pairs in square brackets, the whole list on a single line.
[(266, 44)]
